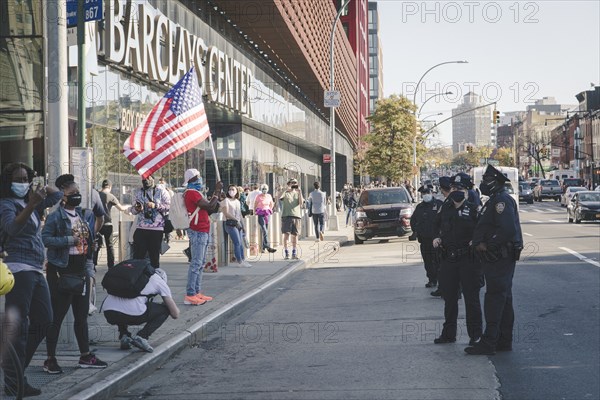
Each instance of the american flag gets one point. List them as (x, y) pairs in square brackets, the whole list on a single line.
[(176, 124)]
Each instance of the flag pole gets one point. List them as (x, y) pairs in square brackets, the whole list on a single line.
[(214, 156)]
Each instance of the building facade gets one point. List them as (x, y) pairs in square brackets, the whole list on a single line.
[(375, 58), (262, 76), (474, 127)]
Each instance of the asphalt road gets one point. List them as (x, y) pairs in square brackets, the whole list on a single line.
[(360, 325)]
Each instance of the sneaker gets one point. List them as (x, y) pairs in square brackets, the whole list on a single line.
[(203, 297), (271, 250), (92, 309), (91, 361), (51, 366), (192, 301), (28, 390), (125, 343), (321, 236), (142, 343), (245, 264), (294, 256), (287, 255)]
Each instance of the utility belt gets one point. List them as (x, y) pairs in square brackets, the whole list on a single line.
[(452, 253), (506, 250)]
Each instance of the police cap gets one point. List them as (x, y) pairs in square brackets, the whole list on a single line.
[(461, 180), (490, 172), (445, 182)]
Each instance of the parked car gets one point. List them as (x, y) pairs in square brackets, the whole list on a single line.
[(525, 193), (584, 206), (568, 194), (382, 212), (532, 182), (547, 189)]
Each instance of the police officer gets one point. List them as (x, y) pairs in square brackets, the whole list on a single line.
[(498, 242), (422, 225), (445, 190), (458, 267)]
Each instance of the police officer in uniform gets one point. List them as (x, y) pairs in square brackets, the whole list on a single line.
[(458, 268), (422, 225), (445, 190), (498, 243)]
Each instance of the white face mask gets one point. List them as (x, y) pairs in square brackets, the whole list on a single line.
[(232, 193), (264, 191), (427, 198)]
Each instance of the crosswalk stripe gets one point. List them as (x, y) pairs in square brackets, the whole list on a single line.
[(580, 256)]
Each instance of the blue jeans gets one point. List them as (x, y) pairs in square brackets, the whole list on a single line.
[(350, 211), (263, 230), (236, 238), (198, 246), (319, 221)]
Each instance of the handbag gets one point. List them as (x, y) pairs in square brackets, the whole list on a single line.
[(231, 222), (71, 284), (168, 228)]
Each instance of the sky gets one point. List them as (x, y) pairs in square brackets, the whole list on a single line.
[(517, 52)]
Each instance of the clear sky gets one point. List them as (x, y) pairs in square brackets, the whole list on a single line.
[(518, 51)]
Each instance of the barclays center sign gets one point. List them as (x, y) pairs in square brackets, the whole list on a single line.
[(140, 37)]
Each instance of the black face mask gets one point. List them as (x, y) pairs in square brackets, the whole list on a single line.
[(488, 188), (74, 200), (457, 196)]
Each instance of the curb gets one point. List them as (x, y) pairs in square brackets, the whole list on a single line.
[(129, 371)]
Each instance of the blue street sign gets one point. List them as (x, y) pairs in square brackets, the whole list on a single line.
[(93, 11)]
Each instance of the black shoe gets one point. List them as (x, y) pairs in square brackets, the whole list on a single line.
[(473, 341), (271, 250), (430, 284), (436, 293), (504, 347), (443, 340), (29, 391), (188, 254), (480, 349)]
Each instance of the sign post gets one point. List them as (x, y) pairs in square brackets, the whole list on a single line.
[(332, 98)]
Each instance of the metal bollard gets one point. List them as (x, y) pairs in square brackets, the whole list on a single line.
[(275, 229), (252, 228), (125, 248), (222, 254)]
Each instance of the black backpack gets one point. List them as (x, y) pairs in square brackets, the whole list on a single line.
[(128, 278)]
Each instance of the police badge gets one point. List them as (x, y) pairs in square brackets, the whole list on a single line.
[(500, 208)]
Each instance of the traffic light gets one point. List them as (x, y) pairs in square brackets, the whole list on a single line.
[(496, 117)]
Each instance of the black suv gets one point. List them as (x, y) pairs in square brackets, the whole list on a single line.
[(382, 212)]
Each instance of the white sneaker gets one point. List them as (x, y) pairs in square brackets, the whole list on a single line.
[(245, 264)]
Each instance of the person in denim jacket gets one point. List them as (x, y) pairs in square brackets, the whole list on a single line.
[(69, 239), (150, 204), (21, 208)]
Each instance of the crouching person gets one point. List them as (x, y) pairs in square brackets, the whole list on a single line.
[(140, 310)]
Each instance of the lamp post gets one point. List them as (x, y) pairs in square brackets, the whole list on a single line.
[(415, 172), (333, 221), (431, 97)]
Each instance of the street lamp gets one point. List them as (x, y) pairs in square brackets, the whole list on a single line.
[(435, 95), (415, 172), (333, 221)]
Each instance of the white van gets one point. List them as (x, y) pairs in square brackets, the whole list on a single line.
[(510, 172), (560, 174)]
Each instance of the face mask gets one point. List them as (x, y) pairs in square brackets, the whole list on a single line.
[(195, 186), (20, 189), (147, 183), (427, 198), (232, 193), (457, 196), (264, 191), (487, 188), (74, 200)]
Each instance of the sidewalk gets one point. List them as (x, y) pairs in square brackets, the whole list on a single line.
[(233, 288)]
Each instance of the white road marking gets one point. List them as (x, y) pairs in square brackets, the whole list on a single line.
[(527, 234), (535, 220), (555, 220), (581, 257)]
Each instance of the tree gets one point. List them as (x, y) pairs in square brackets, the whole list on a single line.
[(390, 143), (535, 146), (505, 157)]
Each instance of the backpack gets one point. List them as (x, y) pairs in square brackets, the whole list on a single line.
[(178, 212), (128, 278)]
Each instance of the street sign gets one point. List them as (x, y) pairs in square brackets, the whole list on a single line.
[(332, 98), (93, 11), (326, 158), (494, 163)]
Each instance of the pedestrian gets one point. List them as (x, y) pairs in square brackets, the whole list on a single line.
[(108, 201), (151, 204), (350, 203), (498, 241), (422, 223), (458, 268), (22, 205), (69, 239), (317, 206), (263, 208), (251, 199), (124, 312), (232, 213), (291, 202), (243, 195), (197, 206)]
